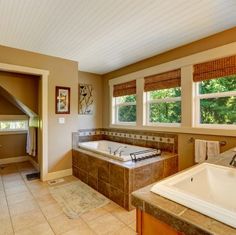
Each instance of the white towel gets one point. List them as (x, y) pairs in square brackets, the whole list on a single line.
[(31, 141), (213, 149), (200, 150)]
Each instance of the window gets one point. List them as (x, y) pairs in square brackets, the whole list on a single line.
[(16, 125), (125, 109), (164, 106), (163, 98), (124, 103), (216, 101), (215, 84)]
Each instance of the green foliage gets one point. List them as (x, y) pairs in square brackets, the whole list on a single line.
[(165, 112), (127, 113), (165, 93), (126, 99), (218, 110)]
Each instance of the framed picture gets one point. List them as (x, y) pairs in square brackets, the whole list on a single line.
[(62, 100), (85, 99)]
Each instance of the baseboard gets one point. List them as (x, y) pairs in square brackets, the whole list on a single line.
[(14, 159), (58, 174), (35, 164)]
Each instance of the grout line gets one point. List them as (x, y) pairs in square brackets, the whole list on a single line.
[(7, 203), (25, 181)]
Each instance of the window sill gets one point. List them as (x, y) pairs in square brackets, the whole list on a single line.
[(13, 132)]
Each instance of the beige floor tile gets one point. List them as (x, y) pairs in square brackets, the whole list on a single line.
[(93, 214), (17, 189), (40, 229), (45, 200), (3, 201), (13, 184), (52, 211), (127, 217), (124, 231), (11, 177), (80, 230), (19, 197), (62, 224), (4, 213), (28, 219), (23, 207), (106, 224), (133, 225), (111, 206), (6, 227), (39, 192)]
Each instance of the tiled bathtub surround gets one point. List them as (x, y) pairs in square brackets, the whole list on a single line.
[(117, 180), (165, 142)]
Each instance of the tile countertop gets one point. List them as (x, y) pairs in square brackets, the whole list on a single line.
[(180, 217), (128, 164)]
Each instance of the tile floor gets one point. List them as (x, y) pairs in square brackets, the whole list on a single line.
[(26, 208)]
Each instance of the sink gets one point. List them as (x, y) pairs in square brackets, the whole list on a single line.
[(207, 188)]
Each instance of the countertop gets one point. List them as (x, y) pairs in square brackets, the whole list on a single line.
[(178, 216), (129, 164)]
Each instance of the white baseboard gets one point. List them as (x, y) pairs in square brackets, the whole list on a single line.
[(14, 159), (35, 164), (58, 174)]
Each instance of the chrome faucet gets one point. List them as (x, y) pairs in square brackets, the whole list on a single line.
[(233, 161), (118, 149)]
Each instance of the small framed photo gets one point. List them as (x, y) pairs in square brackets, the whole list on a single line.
[(62, 100)]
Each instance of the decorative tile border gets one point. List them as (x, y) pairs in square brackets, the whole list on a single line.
[(127, 135)]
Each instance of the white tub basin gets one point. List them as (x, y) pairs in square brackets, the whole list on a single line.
[(207, 188)]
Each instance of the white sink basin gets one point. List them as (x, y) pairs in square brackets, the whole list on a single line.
[(207, 188)]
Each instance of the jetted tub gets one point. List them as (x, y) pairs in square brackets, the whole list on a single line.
[(107, 148), (207, 188)]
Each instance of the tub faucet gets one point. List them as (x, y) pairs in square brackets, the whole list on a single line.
[(118, 149), (233, 161)]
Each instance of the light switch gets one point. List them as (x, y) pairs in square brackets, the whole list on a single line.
[(61, 120)]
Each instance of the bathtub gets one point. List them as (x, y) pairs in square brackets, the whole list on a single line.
[(107, 148), (207, 188)]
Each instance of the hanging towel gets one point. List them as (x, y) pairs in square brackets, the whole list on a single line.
[(213, 149), (31, 141), (200, 150)]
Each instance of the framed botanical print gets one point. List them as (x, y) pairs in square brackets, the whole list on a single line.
[(62, 100), (86, 99)]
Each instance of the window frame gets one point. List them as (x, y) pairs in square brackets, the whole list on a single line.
[(197, 107), (116, 105), (15, 130), (158, 101)]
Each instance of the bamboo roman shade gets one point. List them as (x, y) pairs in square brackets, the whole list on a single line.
[(127, 88), (215, 69), (163, 80)]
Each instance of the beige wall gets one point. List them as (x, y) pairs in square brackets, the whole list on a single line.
[(186, 149), (94, 120), (23, 87), (12, 145), (62, 73), (7, 108)]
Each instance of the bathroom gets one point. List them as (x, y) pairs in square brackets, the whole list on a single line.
[(113, 120)]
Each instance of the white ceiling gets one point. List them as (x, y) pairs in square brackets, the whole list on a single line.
[(104, 35)]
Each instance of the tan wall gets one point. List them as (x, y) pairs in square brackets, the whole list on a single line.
[(62, 73), (94, 120), (12, 145), (186, 149), (7, 108), (23, 87)]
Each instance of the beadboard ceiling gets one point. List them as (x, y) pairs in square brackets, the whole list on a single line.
[(104, 35)]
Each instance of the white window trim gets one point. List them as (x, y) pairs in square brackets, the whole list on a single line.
[(198, 97), (186, 63), (159, 101), (115, 108)]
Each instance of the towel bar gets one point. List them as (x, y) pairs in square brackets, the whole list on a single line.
[(222, 143)]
